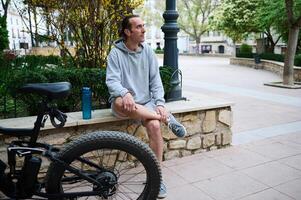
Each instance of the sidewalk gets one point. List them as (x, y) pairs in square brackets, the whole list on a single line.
[(264, 161), (269, 169)]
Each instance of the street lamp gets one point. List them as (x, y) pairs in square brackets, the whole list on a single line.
[(170, 29)]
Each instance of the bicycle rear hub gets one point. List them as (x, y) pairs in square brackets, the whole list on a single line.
[(108, 181)]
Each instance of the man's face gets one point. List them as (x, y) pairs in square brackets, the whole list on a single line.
[(136, 33)]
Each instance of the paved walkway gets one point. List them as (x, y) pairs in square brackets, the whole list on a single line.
[(264, 161)]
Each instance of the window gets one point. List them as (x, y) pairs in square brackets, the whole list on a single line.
[(13, 33)]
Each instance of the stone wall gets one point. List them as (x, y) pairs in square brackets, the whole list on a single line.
[(47, 51), (276, 67), (206, 130)]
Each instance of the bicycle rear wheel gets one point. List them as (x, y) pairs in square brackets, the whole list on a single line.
[(124, 167)]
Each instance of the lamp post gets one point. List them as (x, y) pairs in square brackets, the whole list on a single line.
[(170, 29)]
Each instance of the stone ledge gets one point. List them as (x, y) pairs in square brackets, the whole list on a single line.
[(297, 85), (193, 103), (208, 122), (269, 65)]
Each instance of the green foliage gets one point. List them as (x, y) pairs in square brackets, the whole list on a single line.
[(166, 75), (235, 18), (32, 61), (159, 51), (15, 73), (194, 15), (270, 56), (298, 60), (91, 25), (245, 48), (244, 55), (3, 34), (78, 77)]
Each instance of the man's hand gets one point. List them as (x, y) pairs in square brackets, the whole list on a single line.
[(128, 103), (161, 110)]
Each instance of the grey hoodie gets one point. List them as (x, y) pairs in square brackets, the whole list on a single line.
[(136, 72)]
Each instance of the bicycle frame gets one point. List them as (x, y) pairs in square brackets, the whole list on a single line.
[(27, 150)]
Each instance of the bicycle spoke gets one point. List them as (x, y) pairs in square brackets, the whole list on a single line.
[(130, 173)]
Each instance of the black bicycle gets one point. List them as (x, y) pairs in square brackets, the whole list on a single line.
[(98, 165)]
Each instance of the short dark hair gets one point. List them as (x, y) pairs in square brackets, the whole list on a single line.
[(126, 24)]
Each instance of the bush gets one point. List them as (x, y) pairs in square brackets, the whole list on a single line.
[(272, 56), (245, 55), (298, 60), (245, 48), (166, 73), (19, 73), (159, 51), (78, 77), (33, 61)]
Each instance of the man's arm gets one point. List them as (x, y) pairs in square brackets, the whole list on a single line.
[(156, 86), (113, 76)]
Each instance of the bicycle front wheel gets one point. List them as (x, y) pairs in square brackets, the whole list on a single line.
[(120, 165)]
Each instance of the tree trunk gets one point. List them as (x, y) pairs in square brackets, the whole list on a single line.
[(36, 35), (234, 48), (288, 72), (198, 41)]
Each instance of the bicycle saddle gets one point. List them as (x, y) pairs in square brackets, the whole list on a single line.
[(56, 90)]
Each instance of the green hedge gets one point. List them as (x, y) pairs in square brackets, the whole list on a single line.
[(245, 55), (270, 56), (36, 69), (245, 48), (298, 60), (159, 51), (93, 78)]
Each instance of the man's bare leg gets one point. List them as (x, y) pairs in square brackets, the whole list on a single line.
[(153, 129), (141, 112), (151, 121)]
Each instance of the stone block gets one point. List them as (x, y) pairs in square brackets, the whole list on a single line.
[(55, 139), (208, 140), (171, 154), (225, 116), (218, 139), (165, 146), (177, 144), (192, 127), (200, 151), (226, 137), (141, 134), (209, 123), (190, 117), (185, 153), (194, 143), (167, 133)]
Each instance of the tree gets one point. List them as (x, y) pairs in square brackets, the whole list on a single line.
[(4, 42), (5, 5), (269, 14), (293, 13), (235, 18), (193, 17), (92, 25)]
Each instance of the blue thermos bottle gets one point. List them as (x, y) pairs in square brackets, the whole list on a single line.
[(86, 102)]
